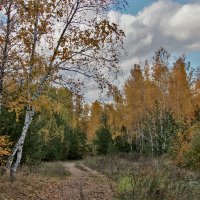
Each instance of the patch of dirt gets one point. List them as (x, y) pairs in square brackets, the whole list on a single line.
[(83, 184), (90, 183)]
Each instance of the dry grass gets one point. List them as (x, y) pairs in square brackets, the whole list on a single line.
[(27, 186), (81, 167), (47, 180), (40, 185), (147, 178), (55, 169)]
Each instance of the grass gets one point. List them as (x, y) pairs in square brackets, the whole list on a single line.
[(143, 177), (54, 169), (47, 181), (46, 169)]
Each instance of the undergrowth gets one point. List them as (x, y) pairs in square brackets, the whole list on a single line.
[(139, 177)]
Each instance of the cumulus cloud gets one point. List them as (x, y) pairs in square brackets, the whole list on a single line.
[(165, 23)]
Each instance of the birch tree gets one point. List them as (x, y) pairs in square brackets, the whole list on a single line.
[(8, 20), (57, 42)]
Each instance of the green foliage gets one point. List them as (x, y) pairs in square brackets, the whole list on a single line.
[(193, 154), (125, 184), (159, 129), (196, 115), (9, 125), (10, 130), (122, 144), (103, 140), (50, 138), (43, 140), (74, 143), (112, 149)]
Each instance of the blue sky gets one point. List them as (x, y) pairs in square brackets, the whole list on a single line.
[(137, 6)]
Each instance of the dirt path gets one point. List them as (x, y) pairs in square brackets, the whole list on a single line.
[(86, 183), (79, 171), (83, 184)]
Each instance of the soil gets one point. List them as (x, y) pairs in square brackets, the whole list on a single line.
[(88, 183)]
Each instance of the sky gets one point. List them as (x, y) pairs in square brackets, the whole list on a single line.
[(150, 24), (139, 7), (136, 6)]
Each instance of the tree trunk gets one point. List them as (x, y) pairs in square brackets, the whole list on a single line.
[(6, 46), (151, 138), (15, 157)]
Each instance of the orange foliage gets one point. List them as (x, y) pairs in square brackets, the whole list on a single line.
[(180, 96), (4, 148), (94, 122)]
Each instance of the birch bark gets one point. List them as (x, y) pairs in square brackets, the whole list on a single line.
[(17, 151), (4, 58)]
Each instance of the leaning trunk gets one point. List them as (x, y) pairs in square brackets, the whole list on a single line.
[(15, 158)]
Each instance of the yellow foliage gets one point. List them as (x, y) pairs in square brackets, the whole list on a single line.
[(4, 148), (182, 144), (94, 122), (180, 96)]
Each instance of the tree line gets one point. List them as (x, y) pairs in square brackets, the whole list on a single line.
[(156, 113)]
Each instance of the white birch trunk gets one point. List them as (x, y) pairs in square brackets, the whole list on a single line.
[(151, 139), (15, 158), (5, 51)]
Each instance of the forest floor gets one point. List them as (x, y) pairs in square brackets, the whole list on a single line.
[(120, 176), (81, 183)]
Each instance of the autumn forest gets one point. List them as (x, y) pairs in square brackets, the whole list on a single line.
[(140, 140)]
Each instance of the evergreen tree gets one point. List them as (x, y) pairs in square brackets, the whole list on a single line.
[(103, 136)]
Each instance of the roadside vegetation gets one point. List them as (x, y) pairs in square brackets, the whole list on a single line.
[(144, 177)]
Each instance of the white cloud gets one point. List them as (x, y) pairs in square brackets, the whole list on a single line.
[(184, 24), (165, 23)]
